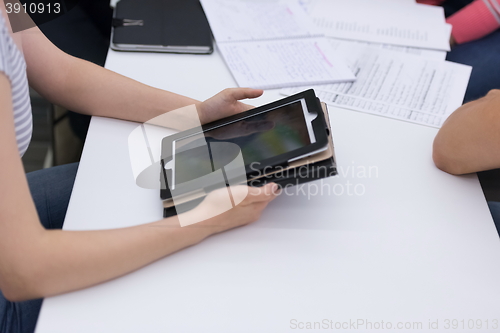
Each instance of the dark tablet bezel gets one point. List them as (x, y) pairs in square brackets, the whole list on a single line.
[(319, 126)]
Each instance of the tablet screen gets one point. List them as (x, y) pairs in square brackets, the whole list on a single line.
[(258, 137)]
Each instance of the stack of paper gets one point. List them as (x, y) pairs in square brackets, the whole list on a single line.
[(310, 7), (272, 44), (383, 21), (397, 85), (396, 50)]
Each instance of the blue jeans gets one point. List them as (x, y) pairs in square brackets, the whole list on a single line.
[(51, 190), (484, 57)]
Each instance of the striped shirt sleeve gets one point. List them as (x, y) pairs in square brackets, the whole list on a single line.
[(3, 48), (12, 64)]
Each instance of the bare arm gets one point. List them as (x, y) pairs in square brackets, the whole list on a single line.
[(87, 88), (35, 262), (469, 140)]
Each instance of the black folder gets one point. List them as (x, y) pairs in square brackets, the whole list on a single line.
[(174, 26)]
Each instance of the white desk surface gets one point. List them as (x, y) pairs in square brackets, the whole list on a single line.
[(419, 245)]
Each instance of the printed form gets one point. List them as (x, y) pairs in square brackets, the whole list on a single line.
[(238, 20), (383, 21), (280, 63), (273, 45), (309, 5), (396, 85), (433, 54)]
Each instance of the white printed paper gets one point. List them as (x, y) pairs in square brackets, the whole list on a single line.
[(286, 63), (384, 22), (432, 54), (397, 85), (236, 20), (272, 44)]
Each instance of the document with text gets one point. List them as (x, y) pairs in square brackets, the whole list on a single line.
[(280, 63), (396, 85), (383, 21), (273, 44), (433, 54), (309, 5), (237, 20)]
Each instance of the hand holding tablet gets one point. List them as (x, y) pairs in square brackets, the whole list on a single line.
[(249, 148)]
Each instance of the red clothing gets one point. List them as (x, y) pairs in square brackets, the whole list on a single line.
[(474, 21)]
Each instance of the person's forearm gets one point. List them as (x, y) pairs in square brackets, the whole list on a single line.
[(67, 260), (93, 90), (97, 91), (81, 86), (40, 263), (84, 87), (469, 140)]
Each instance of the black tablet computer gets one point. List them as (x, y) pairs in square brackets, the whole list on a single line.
[(264, 138)]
